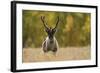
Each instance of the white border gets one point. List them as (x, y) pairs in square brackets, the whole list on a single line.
[(21, 65)]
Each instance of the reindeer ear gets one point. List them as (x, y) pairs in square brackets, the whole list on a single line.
[(54, 30), (47, 29)]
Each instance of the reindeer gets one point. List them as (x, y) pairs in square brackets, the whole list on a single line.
[(50, 43)]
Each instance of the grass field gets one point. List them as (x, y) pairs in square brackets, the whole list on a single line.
[(69, 53)]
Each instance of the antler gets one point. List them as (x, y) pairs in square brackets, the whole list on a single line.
[(57, 22), (45, 24)]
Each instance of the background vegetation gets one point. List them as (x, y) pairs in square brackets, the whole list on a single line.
[(73, 29)]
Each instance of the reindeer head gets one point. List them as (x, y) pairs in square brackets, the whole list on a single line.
[(50, 31)]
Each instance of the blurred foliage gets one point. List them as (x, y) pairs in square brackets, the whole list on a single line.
[(73, 30)]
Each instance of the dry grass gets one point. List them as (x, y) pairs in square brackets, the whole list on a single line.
[(69, 53)]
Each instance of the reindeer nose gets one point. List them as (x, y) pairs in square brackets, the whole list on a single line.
[(51, 38)]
